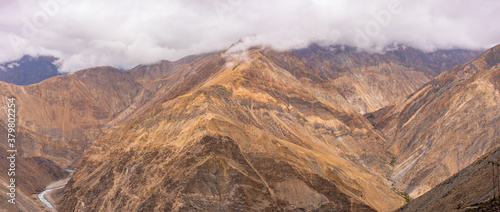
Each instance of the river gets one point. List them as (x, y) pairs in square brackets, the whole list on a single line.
[(52, 187)]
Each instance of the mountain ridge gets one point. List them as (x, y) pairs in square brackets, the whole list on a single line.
[(280, 92), (250, 116), (460, 105), (371, 81)]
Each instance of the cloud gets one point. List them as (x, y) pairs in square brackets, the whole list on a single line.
[(127, 33)]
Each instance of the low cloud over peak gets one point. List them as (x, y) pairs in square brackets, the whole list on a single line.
[(124, 34)]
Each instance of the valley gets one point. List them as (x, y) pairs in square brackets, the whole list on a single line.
[(258, 106), (216, 132)]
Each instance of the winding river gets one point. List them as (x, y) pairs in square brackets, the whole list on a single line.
[(41, 196), (52, 187)]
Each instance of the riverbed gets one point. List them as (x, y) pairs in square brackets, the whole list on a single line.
[(42, 196)]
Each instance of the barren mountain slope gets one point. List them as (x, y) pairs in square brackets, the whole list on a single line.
[(166, 80), (444, 126), (469, 190), (58, 119), (64, 114), (31, 174), (371, 81), (253, 135)]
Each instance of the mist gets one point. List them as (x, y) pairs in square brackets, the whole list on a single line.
[(124, 34)]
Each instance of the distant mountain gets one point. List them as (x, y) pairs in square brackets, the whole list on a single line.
[(471, 189), (371, 81), (28, 70), (444, 126)]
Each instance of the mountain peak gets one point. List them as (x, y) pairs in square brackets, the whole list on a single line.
[(28, 70), (491, 57)]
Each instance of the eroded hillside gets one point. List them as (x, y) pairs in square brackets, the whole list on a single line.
[(252, 136), (444, 126)]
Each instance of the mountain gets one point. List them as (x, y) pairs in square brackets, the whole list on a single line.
[(32, 174), (59, 118), (260, 134), (371, 81), (28, 70), (471, 189), (444, 126), (210, 131)]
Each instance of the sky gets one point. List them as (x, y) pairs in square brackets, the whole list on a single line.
[(123, 34)]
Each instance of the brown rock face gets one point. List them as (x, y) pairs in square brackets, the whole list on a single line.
[(58, 119), (61, 116), (371, 81), (471, 189), (444, 126), (254, 135), (32, 173)]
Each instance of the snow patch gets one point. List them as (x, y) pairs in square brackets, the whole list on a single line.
[(12, 65)]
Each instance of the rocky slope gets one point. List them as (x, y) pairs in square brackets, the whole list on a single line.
[(58, 119), (61, 116), (32, 174), (444, 126), (255, 135), (28, 70), (276, 111), (371, 81), (471, 189)]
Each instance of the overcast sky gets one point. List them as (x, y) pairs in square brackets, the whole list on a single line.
[(123, 34)]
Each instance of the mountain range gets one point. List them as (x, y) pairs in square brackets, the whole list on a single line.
[(444, 126), (321, 128)]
